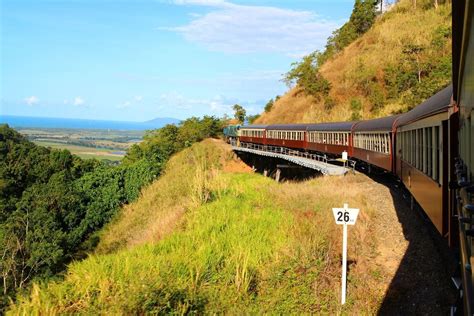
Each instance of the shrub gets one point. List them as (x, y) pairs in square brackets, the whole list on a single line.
[(269, 105), (329, 104), (307, 76), (356, 108), (376, 98)]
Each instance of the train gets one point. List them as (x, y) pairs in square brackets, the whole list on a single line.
[(412, 145), (430, 149)]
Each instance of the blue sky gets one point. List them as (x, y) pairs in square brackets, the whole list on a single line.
[(137, 60)]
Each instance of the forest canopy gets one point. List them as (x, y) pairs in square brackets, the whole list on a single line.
[(52, 203)]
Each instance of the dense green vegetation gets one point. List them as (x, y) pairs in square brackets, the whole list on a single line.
[(245, 245), (52, 202)]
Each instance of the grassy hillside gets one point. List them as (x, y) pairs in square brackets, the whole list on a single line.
[(182, 186), (211, 237), (402, 60)]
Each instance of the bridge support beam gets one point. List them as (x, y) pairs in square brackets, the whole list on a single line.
[(278, 175)]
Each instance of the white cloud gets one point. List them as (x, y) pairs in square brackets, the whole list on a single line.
[(236, 28), (32, 100), (200, 2), (129, 103), (124, 105), (218, 105), (78, 101)]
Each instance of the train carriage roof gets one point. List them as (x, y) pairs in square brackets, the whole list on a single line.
[(287, 127), (255, 126), (336, 126), (436, 104), (384, 124)]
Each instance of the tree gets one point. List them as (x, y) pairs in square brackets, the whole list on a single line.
[(239, 113), (252, 118), (269, 105), (307, 76), (363, 15)]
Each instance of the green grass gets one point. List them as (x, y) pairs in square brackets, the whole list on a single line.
[(244, 244), (213, 263)]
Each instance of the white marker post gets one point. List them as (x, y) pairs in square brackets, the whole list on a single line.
[(345, 216), (344, 157)]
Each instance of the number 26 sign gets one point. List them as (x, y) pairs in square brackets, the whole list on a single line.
[(346, 215)]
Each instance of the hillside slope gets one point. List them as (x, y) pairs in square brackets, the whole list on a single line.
[(248, 245), (402, 60)]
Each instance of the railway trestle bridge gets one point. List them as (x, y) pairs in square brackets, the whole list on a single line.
[(268, 160)]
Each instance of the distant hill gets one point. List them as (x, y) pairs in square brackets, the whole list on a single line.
[(53, 122), (404, 58), (162, 121)]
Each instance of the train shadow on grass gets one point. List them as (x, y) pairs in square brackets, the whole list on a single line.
[(422, 284)]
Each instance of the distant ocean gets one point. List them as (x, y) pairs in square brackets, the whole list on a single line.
[(49, 122)]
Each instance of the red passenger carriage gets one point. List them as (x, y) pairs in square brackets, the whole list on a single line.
[(287, 135), (421, 154), (331, 138), (373, 141)]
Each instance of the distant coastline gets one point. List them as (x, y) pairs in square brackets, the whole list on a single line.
[(50, 122)]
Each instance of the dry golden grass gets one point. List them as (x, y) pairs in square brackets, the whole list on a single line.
[(161, 205), (381, 46)]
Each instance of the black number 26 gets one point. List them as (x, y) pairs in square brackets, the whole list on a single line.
[(343, 216)]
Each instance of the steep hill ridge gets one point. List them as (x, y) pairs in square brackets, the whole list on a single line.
[(402, 60)]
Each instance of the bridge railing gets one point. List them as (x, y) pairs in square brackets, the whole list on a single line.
[(285, 151)]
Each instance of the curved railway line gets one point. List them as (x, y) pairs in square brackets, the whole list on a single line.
[(430, 149)]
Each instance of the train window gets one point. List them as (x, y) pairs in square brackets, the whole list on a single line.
[(429, 151), (470, 140), (417, 149), (408, 147), (405, 146), (421, 149), (436, 153), (424, 162)]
